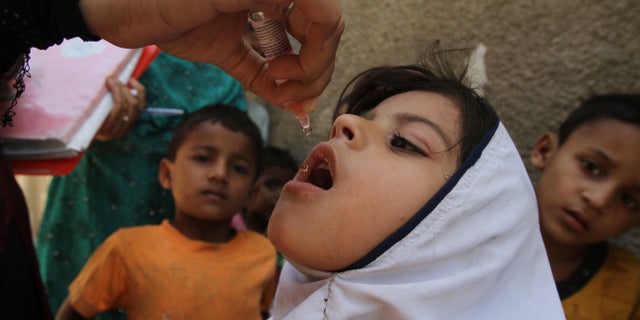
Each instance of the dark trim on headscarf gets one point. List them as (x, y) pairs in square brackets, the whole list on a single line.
[(414, 221)]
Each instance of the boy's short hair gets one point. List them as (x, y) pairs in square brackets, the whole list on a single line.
[(230, 117), (435, 73), (275, 157), (621, 107)]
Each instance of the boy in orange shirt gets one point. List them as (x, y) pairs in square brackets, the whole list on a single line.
[(589, 192), (194, 266)]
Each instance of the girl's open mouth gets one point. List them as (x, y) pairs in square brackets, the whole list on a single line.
[(316, 169)]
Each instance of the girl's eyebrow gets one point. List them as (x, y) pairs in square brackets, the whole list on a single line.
[(407, 118)]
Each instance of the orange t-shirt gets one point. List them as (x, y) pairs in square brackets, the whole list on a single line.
[(612, 293), (154, 272)]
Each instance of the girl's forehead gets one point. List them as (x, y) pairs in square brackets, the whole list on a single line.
[(434, 107), (417, 102)]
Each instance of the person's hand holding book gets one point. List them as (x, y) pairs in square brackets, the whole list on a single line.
[(127, 103)]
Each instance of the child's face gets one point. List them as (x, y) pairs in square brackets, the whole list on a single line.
[(589, 189), (373, 174), (212, 175), (267, 190)]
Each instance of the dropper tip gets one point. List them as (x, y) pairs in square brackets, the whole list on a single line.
[(306, 125), (307, 130)]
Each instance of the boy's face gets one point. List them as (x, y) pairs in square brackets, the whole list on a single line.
[(373, 174), (267, 190), (589, 189), (213, 172)]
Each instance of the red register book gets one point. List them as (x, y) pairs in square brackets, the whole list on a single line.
[(65, 102)]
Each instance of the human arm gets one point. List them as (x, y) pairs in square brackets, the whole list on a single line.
[(199, 30), (99, 284), (212, 31), (67, 312), (126, 108)]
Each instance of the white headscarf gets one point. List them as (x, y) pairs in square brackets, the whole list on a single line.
[(473, 252)]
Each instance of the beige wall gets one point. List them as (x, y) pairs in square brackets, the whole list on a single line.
[(542, 56)]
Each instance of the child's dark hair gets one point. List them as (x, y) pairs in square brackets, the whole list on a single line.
[(276, 157), (436, 74), (621, 107), (230, 117)]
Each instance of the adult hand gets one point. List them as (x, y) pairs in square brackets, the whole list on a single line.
[(127, 102), (212, 31)]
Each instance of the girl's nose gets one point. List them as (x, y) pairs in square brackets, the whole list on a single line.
[(351, 129)]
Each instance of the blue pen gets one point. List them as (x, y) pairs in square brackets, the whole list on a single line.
[(163, 111)]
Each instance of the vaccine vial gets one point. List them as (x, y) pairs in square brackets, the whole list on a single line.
[(270, 34), (274, 42)]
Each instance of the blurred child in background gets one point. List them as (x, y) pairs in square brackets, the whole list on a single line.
[(278, 167)]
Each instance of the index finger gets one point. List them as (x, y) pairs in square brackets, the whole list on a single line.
[(318, 25)]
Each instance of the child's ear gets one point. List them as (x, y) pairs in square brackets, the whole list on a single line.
[(544, 149), (164, 173)]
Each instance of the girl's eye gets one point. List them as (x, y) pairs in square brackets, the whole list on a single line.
[(591, 166), (399, 142), (629, 202)]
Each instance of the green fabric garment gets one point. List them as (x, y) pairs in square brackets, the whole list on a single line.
[(116, 183)]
